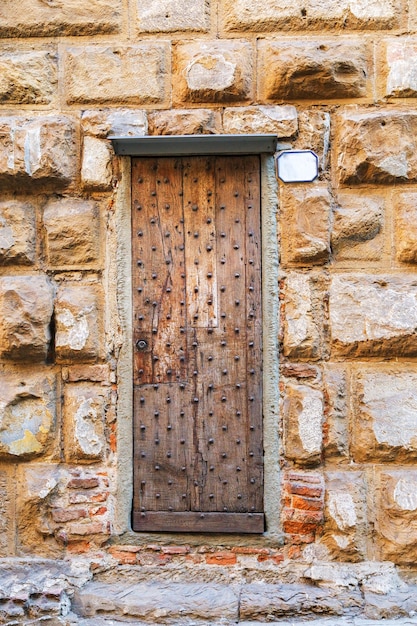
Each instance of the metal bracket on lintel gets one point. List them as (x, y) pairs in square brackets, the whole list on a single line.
[(194, 145)]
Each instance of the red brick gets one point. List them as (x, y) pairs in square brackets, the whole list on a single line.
[(66, 515), (83, 483), (100, 511), (99, 497), (308, 504), (303, 477), (221, 558), (308, 517), (299, 528), (123, 557), (304, 490)]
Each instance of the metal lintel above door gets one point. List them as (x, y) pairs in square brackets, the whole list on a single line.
[(194, 145)]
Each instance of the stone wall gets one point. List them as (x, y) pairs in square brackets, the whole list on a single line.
[(336, 77)]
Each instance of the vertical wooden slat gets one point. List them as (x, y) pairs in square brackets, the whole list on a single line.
[(251, 191), (200, 241)]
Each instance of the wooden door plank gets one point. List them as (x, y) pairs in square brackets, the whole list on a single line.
[(159, 271), (251, 191), (200, 241), (196, 522)]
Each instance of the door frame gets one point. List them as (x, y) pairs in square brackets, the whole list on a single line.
[(119, 273)]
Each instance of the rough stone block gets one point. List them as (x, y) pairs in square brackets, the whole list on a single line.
[(27, 415), (301, 323), (215, 71), (185, 122), (72, 228), (84, 418), (26, 305), (278, 120), (385, 426), (246, 15), (39, 19), (7, 521), (396, 519), (358, 223), (345, 515), (405, 208), (79, 322), (122, 75), (38, 149), (148, 601), (114, 123), (305, 224), (27, 77), (400, 72), (303, 421), (96, 165), (313, 70), (376, 146), (173, 15), (17, 233), (373, 315), (335, 440)]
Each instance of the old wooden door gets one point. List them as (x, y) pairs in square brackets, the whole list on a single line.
[(197, 344)]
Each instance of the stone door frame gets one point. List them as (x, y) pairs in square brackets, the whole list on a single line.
[(119, 273)]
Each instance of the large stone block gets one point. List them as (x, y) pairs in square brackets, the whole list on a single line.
[(313, 70), (245, 15), (373, 315), (344, 532), (117, 75), (302, 315), (400, 72), (405, 212), (385, 426), (358, 227), (79, 323), (32, 18), (114, 123), (72, 228), (17, 233), (38, 149), (305, 224), (303, 422), (335, 429), (185, 122), (376, 146), (26, 305), (96, 164), (84, 419), (278, 120), (173, 15), (396, 517), (27, 77), (215, 71), (27, 415)]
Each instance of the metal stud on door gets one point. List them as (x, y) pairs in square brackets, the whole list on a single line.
[(197, 337)]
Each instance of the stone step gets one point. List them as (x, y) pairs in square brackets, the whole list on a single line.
[(189, 603)]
